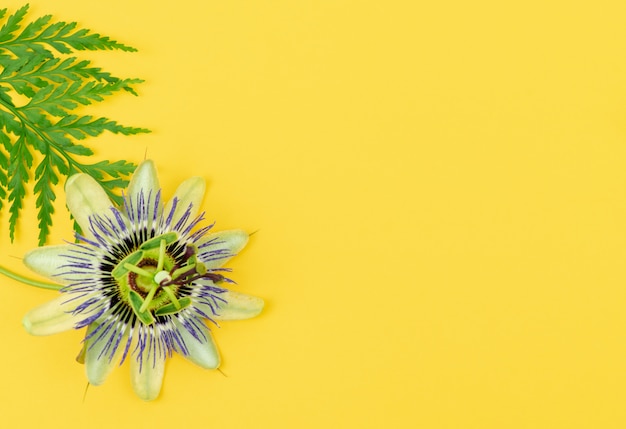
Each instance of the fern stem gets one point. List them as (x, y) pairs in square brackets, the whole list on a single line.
[(24, 120), (72, 164)]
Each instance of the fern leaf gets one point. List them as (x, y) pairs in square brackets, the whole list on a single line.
[(38, 62)]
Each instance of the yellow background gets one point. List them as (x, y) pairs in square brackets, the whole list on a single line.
[(440, 193)]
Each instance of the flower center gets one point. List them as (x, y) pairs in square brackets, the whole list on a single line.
[(142, 280), (149, 279)]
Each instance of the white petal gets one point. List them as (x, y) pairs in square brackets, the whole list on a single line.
[(238, 306), (202, 353), (145, 181), (55, 316), (85, 197), (146, 375), (48, 261), (98, 362), (214, 250), (190, 192)]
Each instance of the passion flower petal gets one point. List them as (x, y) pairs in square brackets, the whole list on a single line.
[(86, 198), (146, 375), (57, 315), (144, 185), (232, 305), (216, 249), (49, 261), (102, 353), (186, 200), (199, 346)]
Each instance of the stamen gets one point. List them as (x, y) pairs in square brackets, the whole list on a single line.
[(136, 303), (170, 308), (155, 242), (120, 269), (201, 268), (170, 294), (183, 272)]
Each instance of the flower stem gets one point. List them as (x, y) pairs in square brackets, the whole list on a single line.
[(28, 281)]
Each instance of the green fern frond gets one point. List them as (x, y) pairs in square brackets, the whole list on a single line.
[(37, 62)]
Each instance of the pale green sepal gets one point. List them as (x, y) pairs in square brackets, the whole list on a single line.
[(85, 197), (191, 191), (233, 240), (146, 375), (238, 306), (48, 261), (55, 316), (98, 365), (146, 180), (202, 353)]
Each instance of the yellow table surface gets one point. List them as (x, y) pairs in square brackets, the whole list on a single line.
[(439, 189)]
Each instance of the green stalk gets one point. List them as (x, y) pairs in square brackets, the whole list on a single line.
[(31, 282)]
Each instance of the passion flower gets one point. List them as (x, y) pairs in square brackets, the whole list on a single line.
[(143, 278)]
